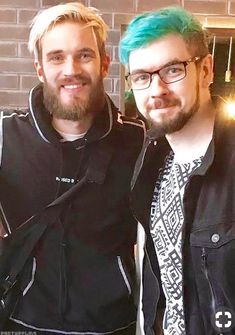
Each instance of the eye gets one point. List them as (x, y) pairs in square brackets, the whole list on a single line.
[(85, 56), (56, 59), (139, 78), (173, 70)]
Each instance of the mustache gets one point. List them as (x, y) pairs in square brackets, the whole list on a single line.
[(163, 103), (74, 79)]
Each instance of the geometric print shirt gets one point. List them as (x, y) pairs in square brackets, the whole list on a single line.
[(166, 225)]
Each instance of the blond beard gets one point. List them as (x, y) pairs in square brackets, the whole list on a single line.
[(79, 109)]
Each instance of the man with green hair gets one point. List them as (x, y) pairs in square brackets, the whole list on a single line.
[(183, 188)]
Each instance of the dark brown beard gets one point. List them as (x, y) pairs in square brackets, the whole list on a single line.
[(79, 109), (171, 126), (175, 125)]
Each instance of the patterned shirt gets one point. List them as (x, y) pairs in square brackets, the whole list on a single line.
[(166, 225)]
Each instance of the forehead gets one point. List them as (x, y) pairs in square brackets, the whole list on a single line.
[(69, 36), (158, 53)]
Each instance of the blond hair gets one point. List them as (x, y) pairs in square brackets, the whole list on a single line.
[(73, 11)]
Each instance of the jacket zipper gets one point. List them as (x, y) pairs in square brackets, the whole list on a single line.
[(140, 162), (63, 280), (206, 273)]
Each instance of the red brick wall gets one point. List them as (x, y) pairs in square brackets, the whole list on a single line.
[(17, 74)]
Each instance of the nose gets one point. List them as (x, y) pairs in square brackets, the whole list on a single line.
[(71, 66), (158, 87)]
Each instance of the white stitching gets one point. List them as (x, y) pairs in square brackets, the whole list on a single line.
[(124, 274), (32, 277)]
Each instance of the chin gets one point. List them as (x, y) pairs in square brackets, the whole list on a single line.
[(67, 102)]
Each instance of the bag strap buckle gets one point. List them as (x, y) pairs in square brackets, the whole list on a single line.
[(6, 286)]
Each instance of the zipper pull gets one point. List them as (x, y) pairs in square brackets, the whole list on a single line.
[(203, 255)]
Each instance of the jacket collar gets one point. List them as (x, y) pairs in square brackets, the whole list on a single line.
[(41, 119), (152, 158), (219, 134)]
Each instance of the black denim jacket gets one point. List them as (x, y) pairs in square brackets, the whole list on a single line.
[(208, 233)]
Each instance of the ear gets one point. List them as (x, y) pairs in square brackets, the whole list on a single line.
[(39, 70), (207, 71), (105, 65)]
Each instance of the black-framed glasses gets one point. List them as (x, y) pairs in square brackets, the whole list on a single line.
[(168, 74)]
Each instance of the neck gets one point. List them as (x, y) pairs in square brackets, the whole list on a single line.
[(73, 127), (193, 139)]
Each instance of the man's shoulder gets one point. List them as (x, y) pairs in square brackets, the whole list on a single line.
[(225, 129), (132, 131), (224, 122), (131, 120), (132, 124), (229, 137)]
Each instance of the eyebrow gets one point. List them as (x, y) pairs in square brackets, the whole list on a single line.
[(59, 51), (54, 52), (87, 50), (172, 62)]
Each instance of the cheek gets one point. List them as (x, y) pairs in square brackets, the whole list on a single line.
[(186, 94), (189, 97), (52, 76), (93, 68), (141, 101)]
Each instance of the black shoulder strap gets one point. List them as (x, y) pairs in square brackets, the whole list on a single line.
[(26, 236), (20, 244)]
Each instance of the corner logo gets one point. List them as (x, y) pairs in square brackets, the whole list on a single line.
[(224, 319)]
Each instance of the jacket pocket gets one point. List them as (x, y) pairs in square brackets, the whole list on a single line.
[(213, 236), (213, 256)]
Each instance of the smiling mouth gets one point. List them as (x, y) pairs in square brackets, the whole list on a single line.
[(73, 86)]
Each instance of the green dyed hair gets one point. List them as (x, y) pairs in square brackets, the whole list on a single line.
[(148, 27)]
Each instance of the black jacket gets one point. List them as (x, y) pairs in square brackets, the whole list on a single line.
[(82, 276), (208, 234)]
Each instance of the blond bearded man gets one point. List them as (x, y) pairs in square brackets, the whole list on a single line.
[(82, 275)]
